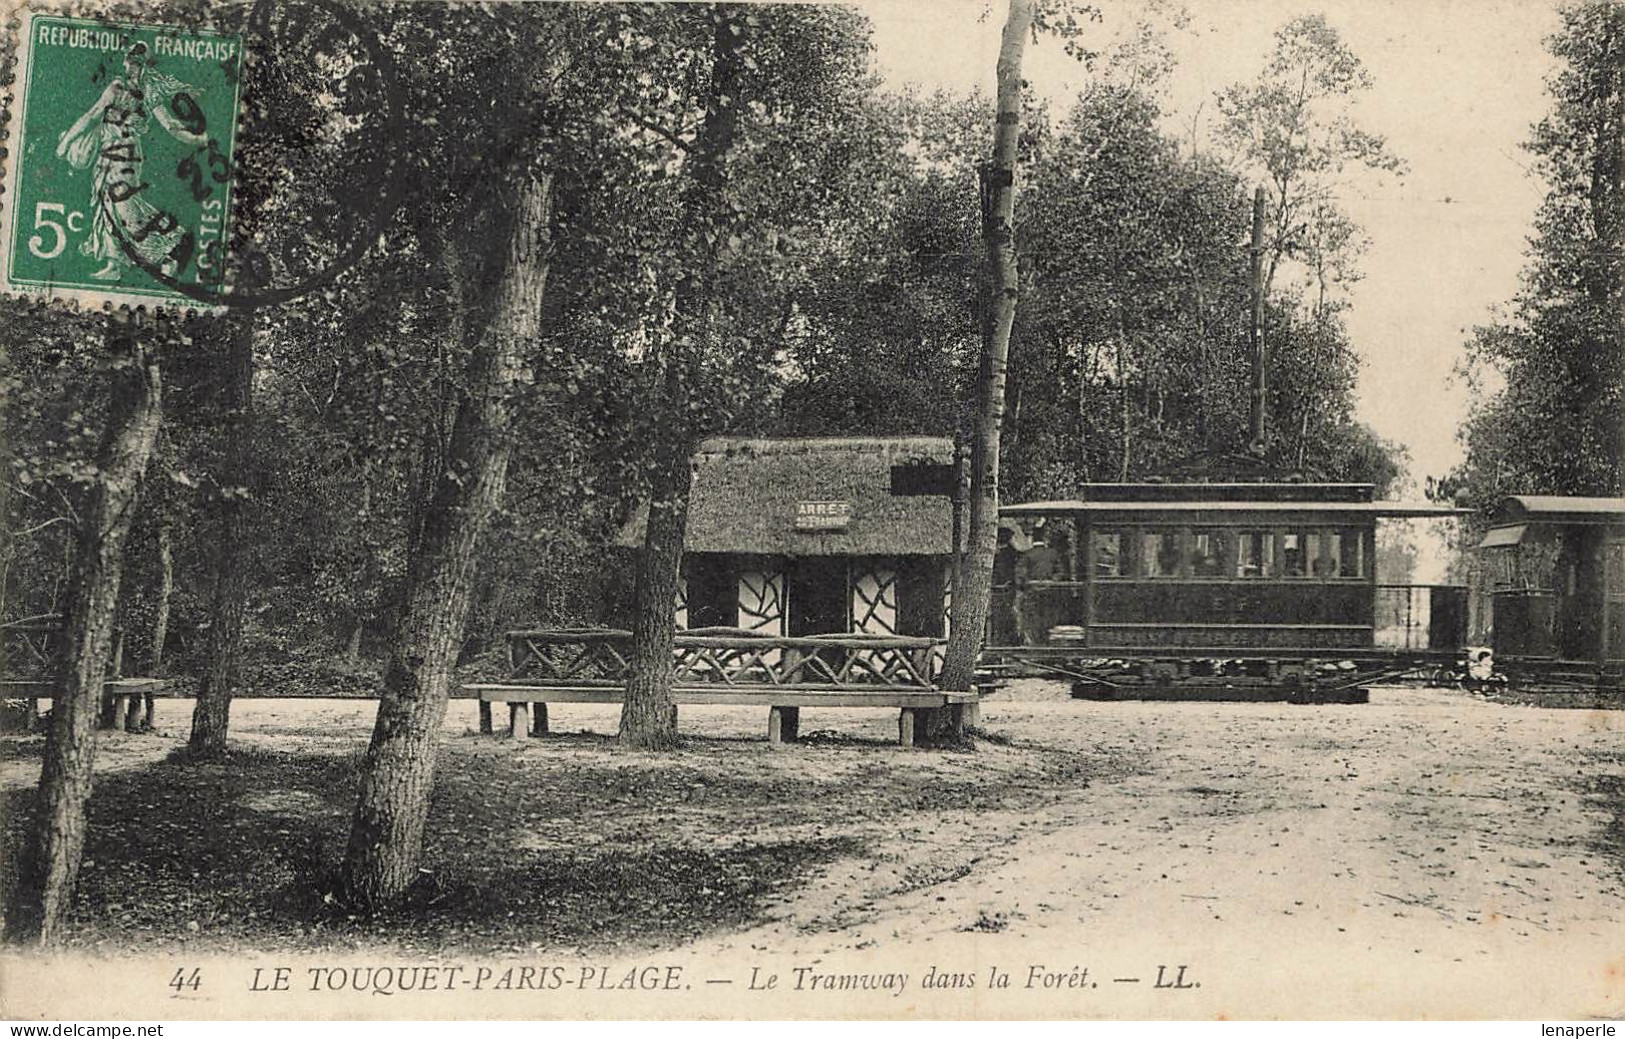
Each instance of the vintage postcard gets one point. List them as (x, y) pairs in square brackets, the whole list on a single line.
[(968, 509)]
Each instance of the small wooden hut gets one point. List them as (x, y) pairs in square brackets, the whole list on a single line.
[(817, 536), (1558, 564)]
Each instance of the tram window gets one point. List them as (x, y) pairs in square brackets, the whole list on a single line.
[(1208, 551), (1160, 552), (1346, 548), (1614, 568), (1313, 562), (1292, 555), (1255, 556), (1331, 565), (1108, 554)]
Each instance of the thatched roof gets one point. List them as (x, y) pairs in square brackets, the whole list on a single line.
[(747, 493)]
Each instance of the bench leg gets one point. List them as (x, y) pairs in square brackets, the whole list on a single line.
[(132, 715), (783, 724), (485, 717), (973, 715), (146, 714), (538, 719), (518, 721), (907, 720)]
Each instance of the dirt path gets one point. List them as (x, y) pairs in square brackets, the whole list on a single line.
[(1429, 844), (1427, 854)]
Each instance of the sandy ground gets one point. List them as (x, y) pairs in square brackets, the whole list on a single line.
[(1427, 854)]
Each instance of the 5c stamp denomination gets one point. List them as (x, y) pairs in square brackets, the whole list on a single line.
[(118, 189)]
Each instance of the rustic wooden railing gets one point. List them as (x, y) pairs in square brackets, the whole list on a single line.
[(726, 666), (729, 657), (28, 644)]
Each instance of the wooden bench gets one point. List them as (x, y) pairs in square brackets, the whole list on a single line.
[(783, 705), (30, 650), (725, 666)]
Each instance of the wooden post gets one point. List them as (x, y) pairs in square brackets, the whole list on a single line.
[(538, 719), (518, 720), (907, 720), (132, 714), (485, 717), (783, 724), (109, 708)]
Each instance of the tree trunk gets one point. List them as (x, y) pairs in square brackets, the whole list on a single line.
[(228, 602), (974, 588), (1322, 344), (166, 591), (1258, 394), (649, 713), (648, 717), (50, 864), (386, 834), (1122, 399)]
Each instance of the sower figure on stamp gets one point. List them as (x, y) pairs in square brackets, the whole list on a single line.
[(110, 134)]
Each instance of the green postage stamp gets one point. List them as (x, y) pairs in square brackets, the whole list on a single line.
[(118, 185)]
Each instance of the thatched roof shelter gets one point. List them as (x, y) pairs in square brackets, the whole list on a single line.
[(825, 496)]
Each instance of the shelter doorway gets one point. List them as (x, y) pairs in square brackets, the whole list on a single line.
[(819, 598)]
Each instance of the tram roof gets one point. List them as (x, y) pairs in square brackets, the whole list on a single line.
[(1376, 509)]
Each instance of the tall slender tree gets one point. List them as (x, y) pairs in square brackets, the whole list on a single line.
[(50, 863), (649, 713), (386, 834), (973, 586), (228, 600)]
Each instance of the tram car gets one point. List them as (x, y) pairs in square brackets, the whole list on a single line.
[(1213, 591)]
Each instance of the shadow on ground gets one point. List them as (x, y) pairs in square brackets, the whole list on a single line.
[(558, 843)]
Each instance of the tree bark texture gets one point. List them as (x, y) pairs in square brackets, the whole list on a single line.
[(974, 589), (386, 835), (228, 601), (50, 862), (649, 712), (648, 716), (1259, 394), (1125, 426)]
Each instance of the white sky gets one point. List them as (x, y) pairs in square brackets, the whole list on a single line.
[(1457, 85)]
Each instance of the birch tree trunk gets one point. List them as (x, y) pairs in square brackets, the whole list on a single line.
[(1125, 426), (973, 589), (228, 602), (649, 714), (386, 833), (50, 862)]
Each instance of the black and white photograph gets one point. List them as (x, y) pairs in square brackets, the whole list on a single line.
[(875, 511)]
